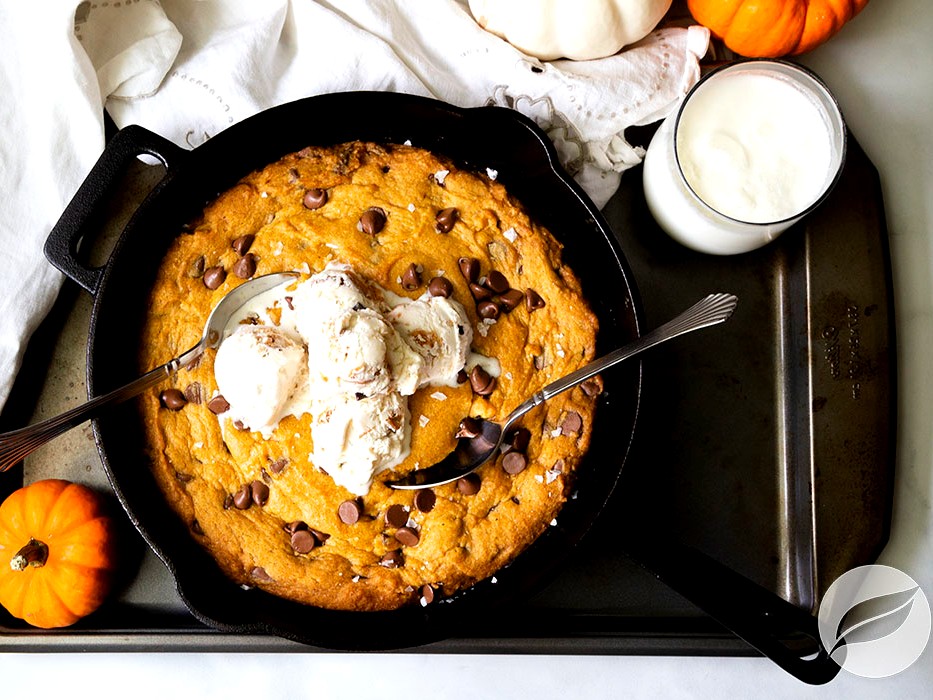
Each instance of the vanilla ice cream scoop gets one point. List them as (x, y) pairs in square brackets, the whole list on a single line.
[(258, 369), (355, 439), (438, 329)]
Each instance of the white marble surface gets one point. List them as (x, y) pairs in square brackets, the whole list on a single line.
[(881, 69)]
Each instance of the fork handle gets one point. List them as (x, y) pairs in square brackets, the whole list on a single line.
[(18, 444), (712, 309)]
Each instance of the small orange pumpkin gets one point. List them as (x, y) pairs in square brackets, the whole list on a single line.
[(57, 553), (774, 28)]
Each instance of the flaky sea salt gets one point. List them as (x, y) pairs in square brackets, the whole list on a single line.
[(440, 176), (557, 432), (439, 396), (423, 420), (511, 234), (493, 174), (411, 207)]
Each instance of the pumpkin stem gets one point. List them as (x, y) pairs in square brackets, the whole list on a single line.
[(34, 553)]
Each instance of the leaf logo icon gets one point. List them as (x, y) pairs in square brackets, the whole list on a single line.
[(874, 618)]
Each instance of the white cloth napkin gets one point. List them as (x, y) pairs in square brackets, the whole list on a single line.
[(188, 69)]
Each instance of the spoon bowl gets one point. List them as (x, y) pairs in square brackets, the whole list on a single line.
[(481, 439), (16, 445)]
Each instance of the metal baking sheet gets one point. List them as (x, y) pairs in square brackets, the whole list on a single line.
[(765, 444)]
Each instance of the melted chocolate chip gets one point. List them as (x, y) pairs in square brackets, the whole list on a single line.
[(196, 268), (497, 282), (243, 498), (511, 299), (572, 423), (411, 278), (427, 594), (590, 387), (514, 463), (303, 541), (242, 244), (214, 277), (469, 268), (193, 392), (259, 492), (479, 292), (315, 198), (445, 219), (349, 512), (408, 536), (372, 221), (245, 267), (481, 381), (462, 377), (533, 300), (392, 559), (516, 440), (425, 500), (396, 515), (487, 309), (440, 287), (260, 574), (469, 485), (218, 404), (172, 399), (278, 465), (469, 428)]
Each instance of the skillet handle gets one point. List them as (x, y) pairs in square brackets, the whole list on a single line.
[(77, 222)]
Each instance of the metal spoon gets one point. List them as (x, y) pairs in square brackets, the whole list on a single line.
[(473, 453), (18, 444)]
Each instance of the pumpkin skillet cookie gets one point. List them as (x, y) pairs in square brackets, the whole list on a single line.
[(427, 297)]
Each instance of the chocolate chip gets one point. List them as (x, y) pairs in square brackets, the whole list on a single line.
[(590, 387), (245, 267), (411, 278), (242, 244), (196, 527), (488, 309), (514, 463), (243, 498), (396, 515), (440, 287), (392, 559), (446, 218), (260, 574), (469, 485), (349, 512), (533, 300), (516, 440), (427, 594), (408, 536), (196, 268), (278, 465), (469, 428), (239, 425), (315, 198), (172, 399), (469, 268), (425, 500), (193, 392), (294, 526), (372, 221), (218, 404), (303, 541), (479, 292), (259, 493), (462, 377), (497, 282), (572, 423), (481, 381), (214, 277), (321, 537), (511, 299)]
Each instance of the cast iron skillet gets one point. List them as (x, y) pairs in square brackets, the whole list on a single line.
[(480, 138)]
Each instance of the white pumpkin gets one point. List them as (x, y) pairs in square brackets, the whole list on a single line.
[(577, 29)]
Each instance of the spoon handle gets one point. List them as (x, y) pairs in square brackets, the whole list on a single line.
[(709, 311), (16, 445)]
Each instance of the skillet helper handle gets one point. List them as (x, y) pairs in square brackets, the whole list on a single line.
[(787, 635), (77, 222)]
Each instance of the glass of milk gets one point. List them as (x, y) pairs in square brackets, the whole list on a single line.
[(754, 146)]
